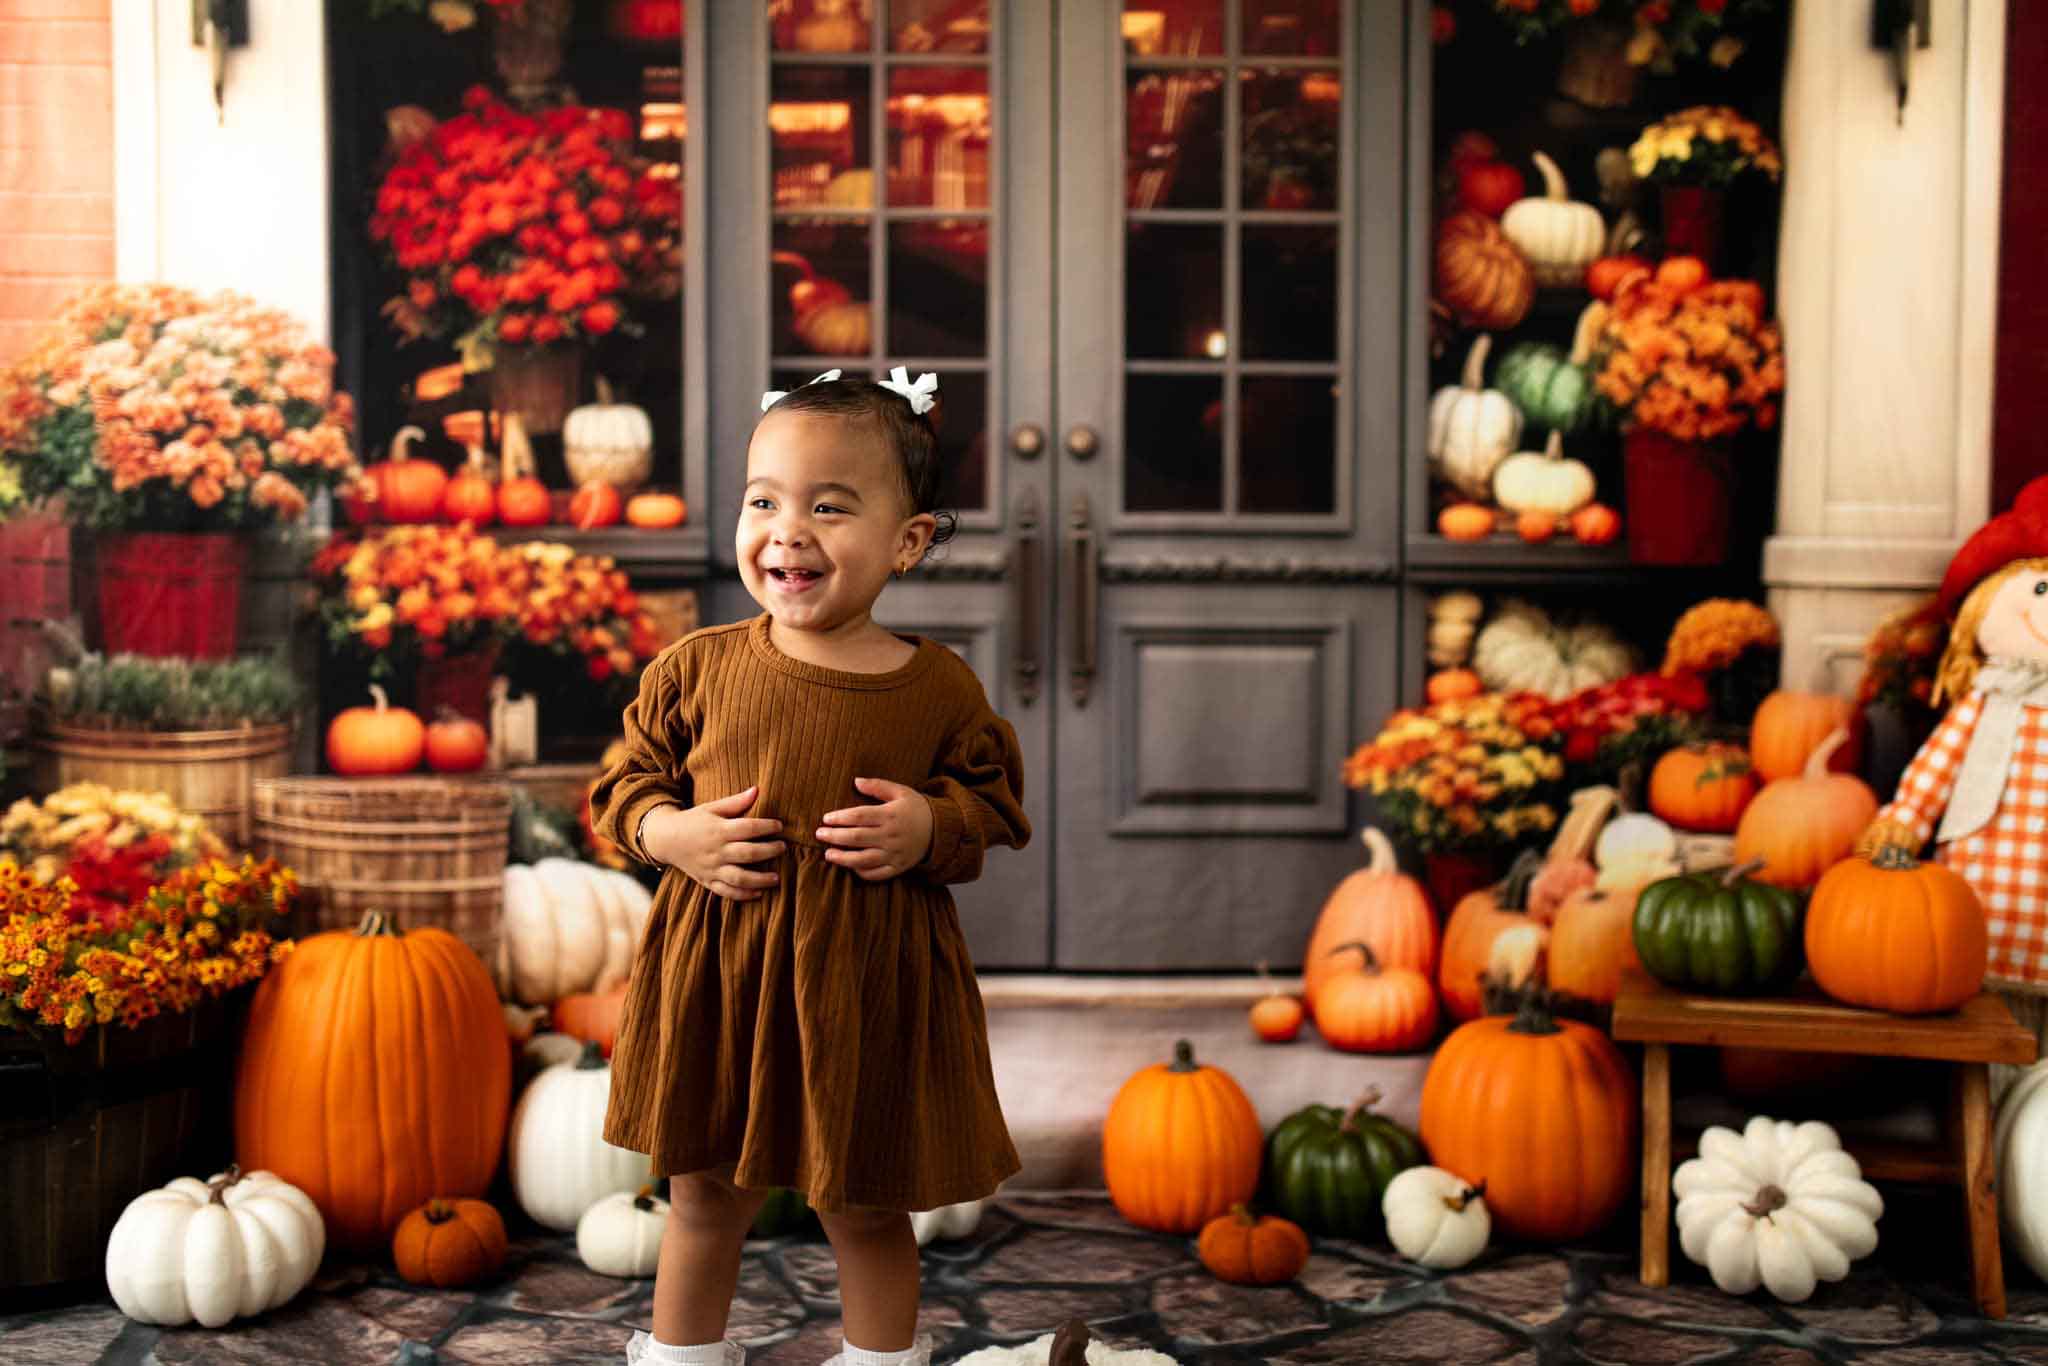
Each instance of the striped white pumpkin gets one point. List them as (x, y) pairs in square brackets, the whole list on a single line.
[(1472, 428)]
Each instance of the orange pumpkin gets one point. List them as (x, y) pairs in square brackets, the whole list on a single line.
[(1378, 905), (1682, 273), (1893, 933), (1595, 524), (1605, 274), (1535, 525), (1247, 1251), (1703, 786), (1593, 943), (592, 1016), (1181, 1144), (411, 1025), (450, 1243), (1465, 522), (1480, 275), (1469, 934), (522, 499), (655, 510), (408, 489), (1789, 726), (375, 739), (469, 496), (1276, 1017), (1544, 1112), (456, 743), (1452, 685), (1800, 827), (594, 505), (1375, 1009)]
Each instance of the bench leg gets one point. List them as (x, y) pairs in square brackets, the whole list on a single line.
[(1656, 1252), (1980, 1196)]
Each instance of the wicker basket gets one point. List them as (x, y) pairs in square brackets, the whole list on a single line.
[(427, 851), (209, 773)]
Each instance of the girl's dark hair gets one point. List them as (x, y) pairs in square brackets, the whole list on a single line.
[(912, 436)]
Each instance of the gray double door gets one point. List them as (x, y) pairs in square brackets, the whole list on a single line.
[(1155, 256)]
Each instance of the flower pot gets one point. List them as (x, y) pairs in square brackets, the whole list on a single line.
[(1678, 498), (1692, 216), (1596, 70), (540, 383), (171, 592), (460, 682), (526, 45)]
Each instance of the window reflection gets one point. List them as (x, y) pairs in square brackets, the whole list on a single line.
[(1174, 140), (938, 288), (1290, 139), (938, 25), (818, 128), (939, 125), (1291, 28), (1172, 28), (819, 25)]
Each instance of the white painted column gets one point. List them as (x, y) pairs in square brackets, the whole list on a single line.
[(234, 199), (1887, 287)]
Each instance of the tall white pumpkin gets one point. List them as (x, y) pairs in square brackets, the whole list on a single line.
[(2020, 1149), (1472, 428), (1561, 236), (560, 1164), (211, 1251), (553, 929)]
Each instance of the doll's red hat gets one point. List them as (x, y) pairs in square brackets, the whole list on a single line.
[(2020, 534)]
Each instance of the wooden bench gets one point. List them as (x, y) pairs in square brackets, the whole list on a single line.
[(1970, 1039)]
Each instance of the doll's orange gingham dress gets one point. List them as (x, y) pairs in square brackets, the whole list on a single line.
[(2005, 861)]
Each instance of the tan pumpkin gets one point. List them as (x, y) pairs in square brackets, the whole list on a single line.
[(1801, 827), (1480, 275), (1472, 428), (1593, 943), (607, 442), (1247, 1251), (1558, 235), (1454, 620), (1523, 649), (1568, 866), (1181, 1144), (1379, 905), (1543, 481), (1789, 726)]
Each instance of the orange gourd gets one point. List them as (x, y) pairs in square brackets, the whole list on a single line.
[(1535, 525), (653, 511), (1465, 522), (1480, 275), (1595, 524), (1452, 685), (450, 1243), (1593, 942), (1246, 1251), (1800, 827), (1276, 1017), (1703, 786), (1374, 1009), (456, 743), (1181, 1144), (1893, 933), (522, 499), (1789, 726), (1682, 273), (594, 505), (1469, 934), (375, 739), (1379, 905), (470, 497), (408, 489), (374, 1076), (592, 1016), (1544, 1112)]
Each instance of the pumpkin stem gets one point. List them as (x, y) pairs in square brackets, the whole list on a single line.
[(1553, 178), (217, 1187), (1242, 1214), (1183, 1057), (1587, 333), (1741, 870), (1553, 448), (1532, 1016), (1577, 832), (1894, 858), (1364, 1103), (375, 923), (1767, 1199), (644, 1198), (591, 1058), (1474, 377), (1383, 860), (1372, 963), (1513, 894), (1817, 762), (604, 390), (439, 1211), (1456, 1203), (377, 696)]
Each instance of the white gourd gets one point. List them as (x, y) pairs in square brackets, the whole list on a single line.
[(608, 443), (552, 930), (1472, 428), (620, 1235), (559, 1162), (212, 1251), (626, 906), (2020, 1149), (1436, 1218), (1543, 481), (947, 1221), (1779, 1205), (1521, 649), (1558, 234)]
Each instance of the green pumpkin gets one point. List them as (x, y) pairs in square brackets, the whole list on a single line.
[(1720, 932), (786, 1211), (1553, 389), (1327, 1168)]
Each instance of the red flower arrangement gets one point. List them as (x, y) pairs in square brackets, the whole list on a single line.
[(526, 229), (1629, 719)]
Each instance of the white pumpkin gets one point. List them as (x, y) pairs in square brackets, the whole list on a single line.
[(552, 930), (1633, 850), (211, 1251), (1471, 427), (608, 443), (620, 1235), (1543, 481), (559, 1162), (626, 906), (1779, 1205), (1522, 649), (2020, 1151), (947, 1221), (1559, 235), (1436, 1218)]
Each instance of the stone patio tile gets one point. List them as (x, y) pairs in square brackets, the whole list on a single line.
[(1528, 1288), (411, 1311), (1680, 1302), (1198, 1308), (1340, 1280), (1643, 1344), (504, 1338), (1931, 1354), (309, 1329), (1777, 1354), (1865, 1308), (814, 1268), (1026, 1313), (558, 1286), (64, 1335), (1065, 1211), (762, 1305), (1425, 1335), (1068, 1256)]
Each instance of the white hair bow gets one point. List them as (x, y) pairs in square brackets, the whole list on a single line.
[(921, 394), (774, 396)]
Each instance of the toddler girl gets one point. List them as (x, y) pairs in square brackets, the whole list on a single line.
[(802, 1011)]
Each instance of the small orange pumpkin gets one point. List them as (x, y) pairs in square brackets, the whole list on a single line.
[(470, 497), (1453, 685), (1465, 522), (375, 739), (1682, 273), (1276, 1017), (1469, 935), (449, 1243), (1593, 943), (1375, 1009), (456, 743), (592, 1016), (1379, 905), (653, 511), (1247, 1251), (1789, 726), (1535, 525), (522, 499), (1595, 524), (1703, 786), (1181, 1144), (1800, 827), (594, 505), (1893, 933), (408, 489)]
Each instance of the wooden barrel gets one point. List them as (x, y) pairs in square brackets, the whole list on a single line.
[(426, 851), (210, 773)]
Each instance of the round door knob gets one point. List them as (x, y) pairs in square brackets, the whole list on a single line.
[(1082, 442), (1027, 440)]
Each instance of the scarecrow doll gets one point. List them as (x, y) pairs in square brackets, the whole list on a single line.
[(1979, 786)]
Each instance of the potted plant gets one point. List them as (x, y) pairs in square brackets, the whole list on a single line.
[(1695, 157)]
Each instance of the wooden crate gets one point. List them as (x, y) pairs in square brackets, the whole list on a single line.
[(210, 773)]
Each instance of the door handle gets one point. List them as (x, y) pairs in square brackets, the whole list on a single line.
[(1029, 586), (1082, 568)]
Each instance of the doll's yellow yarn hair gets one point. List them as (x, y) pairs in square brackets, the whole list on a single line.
[(1961, 660)]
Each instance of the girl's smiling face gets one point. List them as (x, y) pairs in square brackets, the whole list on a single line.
[(2015, 622), (825, 522)]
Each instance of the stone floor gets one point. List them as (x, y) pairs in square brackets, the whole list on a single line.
[(1041, 1258)]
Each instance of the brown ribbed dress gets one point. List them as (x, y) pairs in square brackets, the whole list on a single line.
[(827, 1036)]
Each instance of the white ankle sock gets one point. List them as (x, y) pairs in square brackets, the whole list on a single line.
[(860, 1356), (667, 1354)]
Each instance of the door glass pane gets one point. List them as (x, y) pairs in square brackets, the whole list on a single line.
[(818, 128), (938, 137), (1173, 443), (1289, 299), (1173, 122), (963, 440), (1290, 139), (1291, 28), (1173, 292), (819, 25), (938, 25), (1172, 28), (819, 288), (938, 287), (1287, 440)]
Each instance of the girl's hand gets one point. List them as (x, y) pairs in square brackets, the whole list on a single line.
[(883, 841), (712, 843)]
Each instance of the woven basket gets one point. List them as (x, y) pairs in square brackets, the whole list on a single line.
[(427, 851), (209, 773)]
